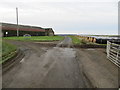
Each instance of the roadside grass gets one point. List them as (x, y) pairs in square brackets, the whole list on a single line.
[(8, 51), (80, 41), (76, 40), (36, 38)]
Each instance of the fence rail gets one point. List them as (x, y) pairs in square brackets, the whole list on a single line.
[(113, 53)]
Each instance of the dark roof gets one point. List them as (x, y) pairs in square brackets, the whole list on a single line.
[(9, 26)]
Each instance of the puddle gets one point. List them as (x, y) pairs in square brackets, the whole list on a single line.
[(90, 49)]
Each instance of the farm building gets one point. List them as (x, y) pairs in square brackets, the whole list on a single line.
[(11, 30)]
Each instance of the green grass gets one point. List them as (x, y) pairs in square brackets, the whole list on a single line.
[(8, 51), (76, 40), (36, 38)]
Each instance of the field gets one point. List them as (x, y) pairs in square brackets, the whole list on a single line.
[(36, 38), (8, 51)]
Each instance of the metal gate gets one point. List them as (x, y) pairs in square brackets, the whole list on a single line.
[(113, 53)]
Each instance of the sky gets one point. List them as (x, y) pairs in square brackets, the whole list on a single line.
[(64, 16)]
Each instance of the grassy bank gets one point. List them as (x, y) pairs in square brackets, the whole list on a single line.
[(36, 38), (8, 51), (76, 40)]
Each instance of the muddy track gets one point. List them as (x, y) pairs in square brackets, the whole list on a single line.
[(45, 67), (57, 67)]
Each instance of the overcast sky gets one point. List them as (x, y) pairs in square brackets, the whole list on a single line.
[(64, 16)]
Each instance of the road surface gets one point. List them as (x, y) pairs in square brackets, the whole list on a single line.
[(42, 68), (56, 67)]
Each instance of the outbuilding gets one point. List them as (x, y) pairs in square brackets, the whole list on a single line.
[(9, 29)]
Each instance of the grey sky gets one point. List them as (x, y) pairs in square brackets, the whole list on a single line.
[(64, 16)]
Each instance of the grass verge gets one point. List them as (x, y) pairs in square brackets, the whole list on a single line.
[(36, 38), (8, 51), (76, 40)]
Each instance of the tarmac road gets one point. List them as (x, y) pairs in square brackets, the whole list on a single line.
[(57, 67)]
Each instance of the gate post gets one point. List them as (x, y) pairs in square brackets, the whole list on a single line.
[(108, 49)]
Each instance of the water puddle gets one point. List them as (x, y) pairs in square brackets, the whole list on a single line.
[(90, 49)]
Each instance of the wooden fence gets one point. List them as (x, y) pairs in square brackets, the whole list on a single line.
[(113, 53)]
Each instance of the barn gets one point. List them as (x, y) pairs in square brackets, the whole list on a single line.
[(9, 29)]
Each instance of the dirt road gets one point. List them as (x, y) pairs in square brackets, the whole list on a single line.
[(44, 67), (54, 67), (97, 68), (67, 42)]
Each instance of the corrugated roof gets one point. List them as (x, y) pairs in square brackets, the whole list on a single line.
[(22, 29), (7, 26)]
